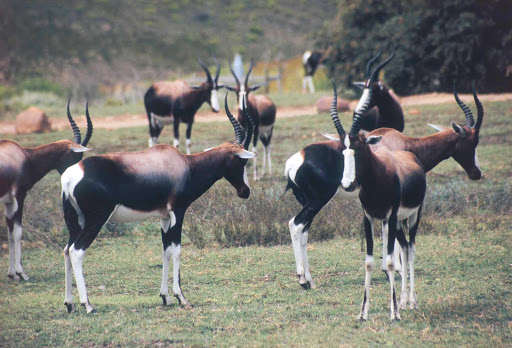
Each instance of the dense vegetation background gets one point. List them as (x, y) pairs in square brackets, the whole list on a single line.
[(438, 42)]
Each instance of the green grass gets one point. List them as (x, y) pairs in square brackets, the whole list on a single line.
[(250, 295)]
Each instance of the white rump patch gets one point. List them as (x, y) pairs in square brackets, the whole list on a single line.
[(215, 101), (366, 91), (305, 57), (292, 165), (69, 179), (349, 171), (122, 214), (162, 119)]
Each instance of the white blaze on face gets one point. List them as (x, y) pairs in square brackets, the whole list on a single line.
[(366, 91), (242, 94), (215, 101), (246, 180), (477, 163), (349, 171)]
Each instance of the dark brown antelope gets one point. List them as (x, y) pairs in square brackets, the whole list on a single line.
[(314, 174), (263, 113), (176, 101), (385, 109), (311, 60), (21, 168), (131, 186)]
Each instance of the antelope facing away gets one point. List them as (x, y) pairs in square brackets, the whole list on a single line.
[(310, 60), (21, 168), (385, 109), (263, 113), (131, 186), (176, 101)]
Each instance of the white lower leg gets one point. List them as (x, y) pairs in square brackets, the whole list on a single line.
[(176, 143), (264, 161), (164, 287), (68, 299), (384, 246), (310, 84), (269, 159), (17, 251), (394, 309), (176, 287), (369, 264), (188, 142), (412, 294), (255, 159), (153, 141), (12, 271), (77, 258), (304, 253), (295, 231), (403, 273), (397, 254)]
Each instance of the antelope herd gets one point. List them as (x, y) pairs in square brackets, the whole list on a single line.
[(374, 162)]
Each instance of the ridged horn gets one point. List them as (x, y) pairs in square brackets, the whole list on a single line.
[(88, 134), (470, 121), (369, 64), (375, 74), (234, 75), (76, 131), (479, 108), (205, 68), (249, 72), (359, 113), (217, 72), (250, 127), (334, 111), (239, 132)]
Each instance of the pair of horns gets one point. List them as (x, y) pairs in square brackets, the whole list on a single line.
[(208, 75), (470, 120), (76, 131), (246, 76), (240, 137), (375, 74)]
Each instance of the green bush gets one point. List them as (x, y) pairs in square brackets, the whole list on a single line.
[(39, 84)]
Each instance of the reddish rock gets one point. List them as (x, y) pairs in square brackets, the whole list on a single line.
[(32, 120), (414, 111), (324, 105)]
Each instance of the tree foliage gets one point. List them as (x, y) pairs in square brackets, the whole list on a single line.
[(437, 41)]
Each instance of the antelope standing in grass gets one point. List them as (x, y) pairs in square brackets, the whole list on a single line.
[(310, 60), (314, 174), (385, 109), (131, 186), (21, 168), (263, 113), (176, 101)]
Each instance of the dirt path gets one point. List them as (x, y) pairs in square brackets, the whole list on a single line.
[(126, 121)]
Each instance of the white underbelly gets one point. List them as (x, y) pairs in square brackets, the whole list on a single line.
[(405, 213), (163, 119), (122, 214)]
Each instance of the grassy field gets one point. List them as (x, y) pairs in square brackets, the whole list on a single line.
[(238, 266)]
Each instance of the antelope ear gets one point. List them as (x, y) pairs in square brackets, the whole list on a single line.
[(373, 139), (254, 88), (359, 84), (437, 127), (208, 149), (80, 148), (331, 136), (245, 154), (229, 88), (195, 87), (458, 129), (220, 86)]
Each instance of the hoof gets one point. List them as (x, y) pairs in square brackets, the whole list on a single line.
[(403, 304), (413, 305), (361, 317), (70, 307), (92, 311), (23, 275), (166, 300), (395, 317), (13, 277), (305, 286)]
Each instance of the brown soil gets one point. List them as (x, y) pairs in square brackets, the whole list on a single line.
[(125, 121)]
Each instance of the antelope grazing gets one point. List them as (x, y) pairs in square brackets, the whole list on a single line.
[(131, 186), (175, 102), (314, 174), (310, 61), (21, 168), (263, 113), (385, 109)]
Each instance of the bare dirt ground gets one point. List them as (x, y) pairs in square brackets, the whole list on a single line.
[(128, 120)]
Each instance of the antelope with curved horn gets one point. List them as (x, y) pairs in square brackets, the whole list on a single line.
[(131, 186), (314, 174), (263, 113), (176, 101), (21, 168), (385, 109)]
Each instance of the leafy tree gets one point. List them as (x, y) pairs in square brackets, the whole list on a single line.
[(438, 41)]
